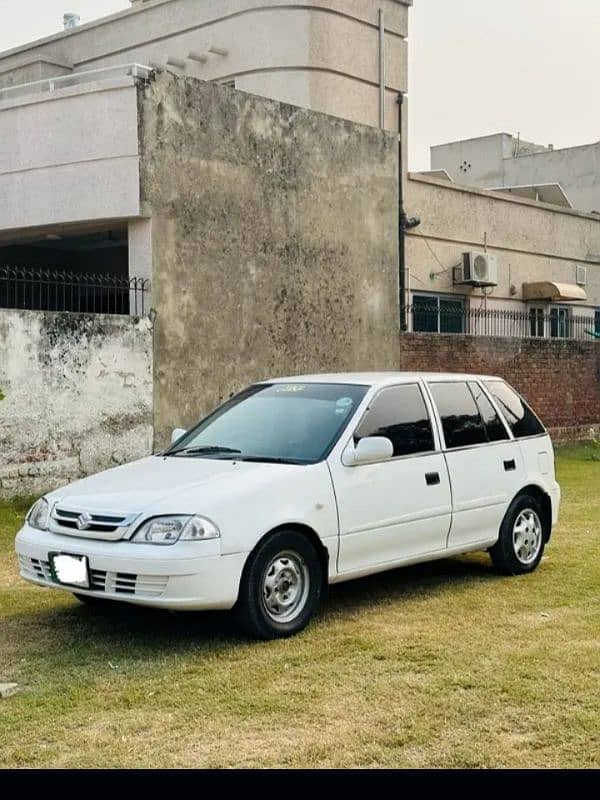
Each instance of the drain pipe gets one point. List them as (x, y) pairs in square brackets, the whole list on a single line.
[(404, 223), (381, 69), (401, 221)]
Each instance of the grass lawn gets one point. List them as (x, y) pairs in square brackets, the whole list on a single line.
[(441, 665)]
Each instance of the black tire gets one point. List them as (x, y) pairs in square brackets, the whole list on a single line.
[(303, 566), (507, 556)]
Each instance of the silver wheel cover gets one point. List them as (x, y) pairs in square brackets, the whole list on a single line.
[(527, 536), (285, 586)]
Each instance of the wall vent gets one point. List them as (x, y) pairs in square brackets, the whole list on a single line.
[(581, 276)]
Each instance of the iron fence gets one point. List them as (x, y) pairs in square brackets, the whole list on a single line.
[(557, 323), (61, 290)]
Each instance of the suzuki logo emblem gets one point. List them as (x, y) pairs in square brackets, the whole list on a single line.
[(84, 521)]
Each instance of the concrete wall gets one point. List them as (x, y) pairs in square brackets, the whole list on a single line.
[(475, 162), (75, 396), (78, 144), (274, 243), (489, 162), (532, 241), (577, 169), (561, 380), (321, 54)]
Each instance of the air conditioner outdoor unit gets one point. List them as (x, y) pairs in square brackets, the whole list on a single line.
[(478, 269), (581, 277)]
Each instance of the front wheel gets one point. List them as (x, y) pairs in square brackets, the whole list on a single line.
[(281, 586), (520, 546)]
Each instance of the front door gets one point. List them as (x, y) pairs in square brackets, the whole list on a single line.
[(485, 464), (397, 509)]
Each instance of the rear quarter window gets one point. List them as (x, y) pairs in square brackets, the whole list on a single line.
[(520, 418)]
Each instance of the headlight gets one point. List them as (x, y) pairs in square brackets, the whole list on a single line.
[(39, 514), (168, 530)]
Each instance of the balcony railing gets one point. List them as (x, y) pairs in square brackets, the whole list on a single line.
[(60, 290), (537, 323), (75, 79)]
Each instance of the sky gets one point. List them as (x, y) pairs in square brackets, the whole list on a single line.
[(485, 66), (476, 66)]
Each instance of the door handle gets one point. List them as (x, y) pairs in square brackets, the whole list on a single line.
[(510, 465), (432, 478)]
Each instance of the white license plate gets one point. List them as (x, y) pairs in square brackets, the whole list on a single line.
[(70, 570)]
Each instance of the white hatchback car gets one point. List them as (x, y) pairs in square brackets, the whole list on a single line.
[(299, 482)]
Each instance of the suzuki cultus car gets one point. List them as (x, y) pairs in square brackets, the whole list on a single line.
[(297, 483)]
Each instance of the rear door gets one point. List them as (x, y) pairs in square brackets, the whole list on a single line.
[(534, 442), (484, 461)]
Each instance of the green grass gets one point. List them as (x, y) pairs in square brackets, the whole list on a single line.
[(441, 665)]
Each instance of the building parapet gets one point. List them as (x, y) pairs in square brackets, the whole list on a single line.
[(47, 85)]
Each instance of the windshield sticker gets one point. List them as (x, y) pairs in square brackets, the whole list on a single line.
[(344, 402), (290, 387)]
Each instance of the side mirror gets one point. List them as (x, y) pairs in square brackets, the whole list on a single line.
[(369, 450), (177, 434)]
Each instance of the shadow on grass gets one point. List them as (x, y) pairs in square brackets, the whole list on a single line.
[(133, 632), (420, 580)]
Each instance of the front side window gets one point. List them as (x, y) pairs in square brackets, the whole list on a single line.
[(496, 432), (437, 314), (461, 421), (520, 418), (295, 423), (399, 413)]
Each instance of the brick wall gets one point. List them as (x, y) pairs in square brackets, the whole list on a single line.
[(560, 379)]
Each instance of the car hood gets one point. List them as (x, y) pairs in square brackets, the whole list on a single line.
[(170, 485)]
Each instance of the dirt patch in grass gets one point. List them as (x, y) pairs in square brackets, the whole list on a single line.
[(439, 665)]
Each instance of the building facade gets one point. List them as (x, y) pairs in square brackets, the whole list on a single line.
[(568, 176), (69, 115), (342, 57)]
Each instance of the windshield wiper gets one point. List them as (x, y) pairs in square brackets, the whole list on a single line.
[(269, 460), (204, 450)]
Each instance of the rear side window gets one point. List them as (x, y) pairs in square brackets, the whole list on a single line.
[(494, 426), (400, 414), (461, 420), (521, 419)]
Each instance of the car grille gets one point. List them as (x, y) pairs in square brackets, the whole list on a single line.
[(127, 583), (120, 583), (90, 525), (34, 568)]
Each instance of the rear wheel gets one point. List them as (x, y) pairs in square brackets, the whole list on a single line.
[(281, 586), (520, 546)]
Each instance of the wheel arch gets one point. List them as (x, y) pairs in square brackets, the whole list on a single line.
[(310, 534), (542, 496)]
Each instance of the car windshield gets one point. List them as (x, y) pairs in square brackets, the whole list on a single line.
[(295, 423)]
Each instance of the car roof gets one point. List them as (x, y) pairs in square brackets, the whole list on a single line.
[(380, 378)]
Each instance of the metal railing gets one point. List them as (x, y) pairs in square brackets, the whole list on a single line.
[(557, 323), (76, 79), (61, 290)]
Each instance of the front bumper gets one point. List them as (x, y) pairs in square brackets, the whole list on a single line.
[(174, 577)]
